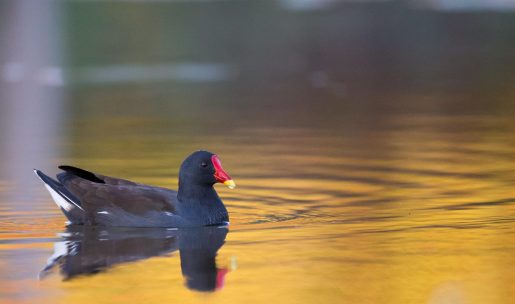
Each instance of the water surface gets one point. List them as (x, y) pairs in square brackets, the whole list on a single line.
[(414, 213), (372, 146)]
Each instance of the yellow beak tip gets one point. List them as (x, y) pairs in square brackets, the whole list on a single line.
[(230, 184)]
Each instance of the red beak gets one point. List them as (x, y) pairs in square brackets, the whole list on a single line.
[(220, 175)]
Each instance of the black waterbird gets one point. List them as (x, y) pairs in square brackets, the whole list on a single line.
[(88, 198)]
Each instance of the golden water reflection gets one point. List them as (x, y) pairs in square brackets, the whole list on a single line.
[(371, 141), (415, 212)]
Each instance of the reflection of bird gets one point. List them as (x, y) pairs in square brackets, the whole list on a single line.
[(198, 252), (93, 199), (89, 250)]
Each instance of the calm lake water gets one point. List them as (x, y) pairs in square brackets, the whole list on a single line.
[(377, 170)]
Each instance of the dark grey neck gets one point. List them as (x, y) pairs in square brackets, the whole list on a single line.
[(200, 205)]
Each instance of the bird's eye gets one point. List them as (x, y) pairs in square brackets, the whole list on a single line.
[(203, 164)]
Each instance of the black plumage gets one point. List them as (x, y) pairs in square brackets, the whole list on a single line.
[(93, 199)]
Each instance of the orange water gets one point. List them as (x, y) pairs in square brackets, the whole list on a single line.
[(372, 144), (419, 211)]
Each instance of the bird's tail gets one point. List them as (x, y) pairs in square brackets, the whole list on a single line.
[(69, 204)]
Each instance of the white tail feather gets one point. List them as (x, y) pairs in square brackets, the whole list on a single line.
[(59, 198)]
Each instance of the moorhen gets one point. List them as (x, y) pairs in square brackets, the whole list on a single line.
[(88, 198)]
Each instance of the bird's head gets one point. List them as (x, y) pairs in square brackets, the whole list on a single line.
[(204, 168)]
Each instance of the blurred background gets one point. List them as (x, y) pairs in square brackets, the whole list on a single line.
[(377, 115)]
